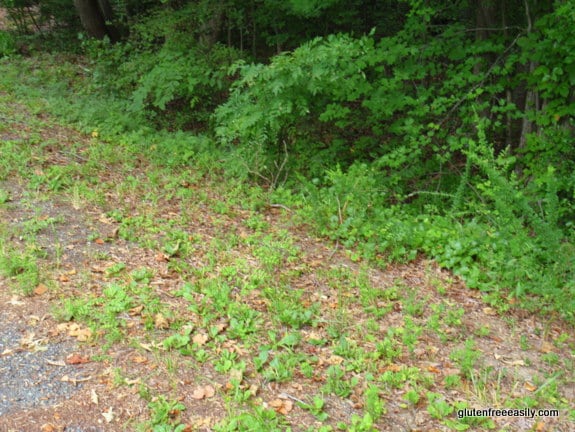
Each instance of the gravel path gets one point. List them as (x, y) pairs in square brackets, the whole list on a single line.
[(36, 374), (49, 381)]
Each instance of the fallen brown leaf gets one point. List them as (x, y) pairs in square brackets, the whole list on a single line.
[(203, 392), (162, 257), (136, 310), (161, 322), (40, 289), (61, 328), (74, 380), (393, 368), (94, 397), (281, 406), (200, 338), (29, 341), (236, 375), (201, 423), (82, 334), (109, 415), (105, 219), (59, 363), (75, 359), (15, 302), (489, 311), (546, 347), (210, 391), (98, 269), (139, 359), (220, 327), (334, 360), (198, 393), (510, 361)]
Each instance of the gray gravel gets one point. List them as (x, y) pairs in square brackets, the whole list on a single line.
[(27, 377)]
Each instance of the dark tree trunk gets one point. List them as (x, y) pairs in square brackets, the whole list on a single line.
[(108, 15), (532, 97), (96, 17), (486, 18), (210, 28)]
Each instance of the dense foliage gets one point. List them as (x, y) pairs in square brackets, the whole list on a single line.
[(399, 127)]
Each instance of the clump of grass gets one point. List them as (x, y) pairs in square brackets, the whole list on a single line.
[(22, 268)]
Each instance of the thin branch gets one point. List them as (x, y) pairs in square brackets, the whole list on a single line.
[(334, 250), (422, 192), (74, 155), (281, 206), (480, 83), (470, 30), (528, 14), (340, 216), (288, 396), (31, 14), (281, 167), (505, 28)]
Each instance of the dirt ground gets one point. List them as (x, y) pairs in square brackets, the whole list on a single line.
[(90, 397)]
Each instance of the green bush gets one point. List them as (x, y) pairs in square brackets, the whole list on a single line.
[(510, 246), (405, 101), (7, 44), (165, 72), (278, 106)]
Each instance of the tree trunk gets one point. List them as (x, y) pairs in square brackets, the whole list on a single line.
[(210, 28), (486, 13), (486, 21), (532, 97), (108, 15), (96, 16)]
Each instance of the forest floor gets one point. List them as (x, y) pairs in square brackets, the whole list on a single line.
[(134, 297)]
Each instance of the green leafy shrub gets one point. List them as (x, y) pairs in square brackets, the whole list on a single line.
[(550, 47), (548, 55), (7, 44), (397, 100), (165, 71), (272, 106), (185, 81), (501, 242), (47, 25)]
